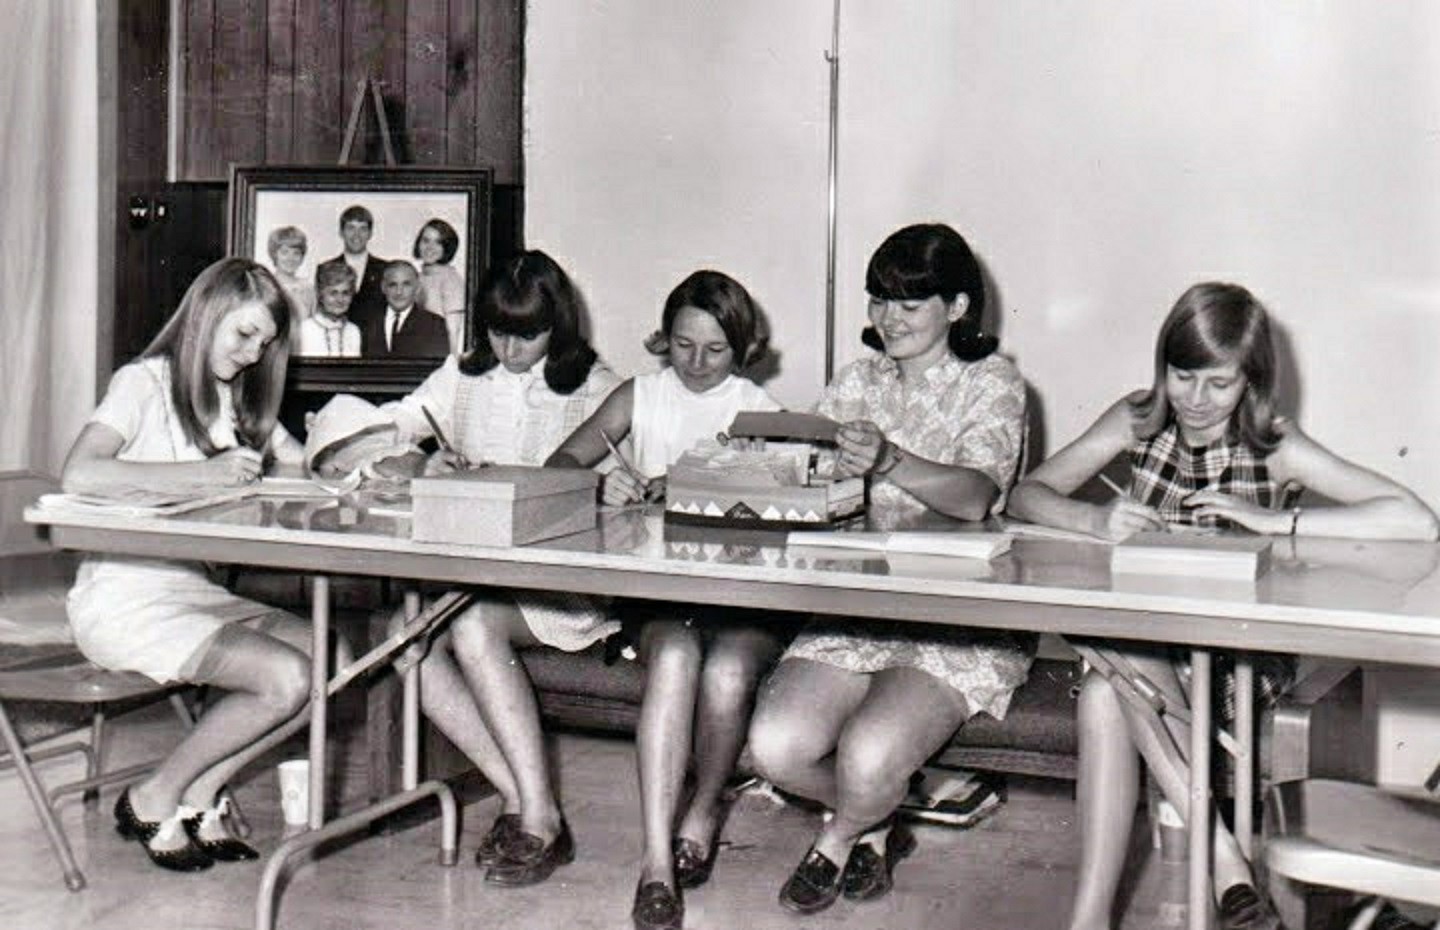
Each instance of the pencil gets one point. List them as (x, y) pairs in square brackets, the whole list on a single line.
[(620, 457), (1119, 491), (439, 433)]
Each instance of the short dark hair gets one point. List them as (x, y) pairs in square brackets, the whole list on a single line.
[(1215, 324), (729, 303), (357, 212), (449, 240), (526, 296), (932, 260)]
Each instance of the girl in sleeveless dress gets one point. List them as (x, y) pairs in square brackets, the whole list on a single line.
[(530, 380), (935, 417), (702, 665), (196, 411), (1205, 447)]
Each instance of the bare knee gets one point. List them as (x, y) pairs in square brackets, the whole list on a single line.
[(729, 679), (286, 685), (476, 633), (779, 744), (866, 773), (673, 650)]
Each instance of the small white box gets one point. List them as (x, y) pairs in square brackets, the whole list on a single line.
[(503, 505)]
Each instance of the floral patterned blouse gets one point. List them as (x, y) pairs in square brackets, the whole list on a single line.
[(958, 413)]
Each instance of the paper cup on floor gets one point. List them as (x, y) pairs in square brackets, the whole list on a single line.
[(295, 791)]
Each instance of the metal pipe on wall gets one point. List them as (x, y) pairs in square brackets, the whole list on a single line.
[(833, 57)]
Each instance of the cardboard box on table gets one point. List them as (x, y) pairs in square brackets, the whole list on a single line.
[(503, 505), (708, 496)]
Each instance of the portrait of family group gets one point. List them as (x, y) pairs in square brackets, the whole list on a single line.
[(376, 263)]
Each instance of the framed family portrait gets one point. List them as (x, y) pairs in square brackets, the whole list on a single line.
[(379, 263)]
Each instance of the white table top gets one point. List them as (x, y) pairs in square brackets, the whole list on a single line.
[(1362, 600)]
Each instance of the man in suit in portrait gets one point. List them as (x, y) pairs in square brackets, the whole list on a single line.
[(403, 330), (357, 225)]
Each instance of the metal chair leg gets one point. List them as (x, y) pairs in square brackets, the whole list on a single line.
[(74, 878)]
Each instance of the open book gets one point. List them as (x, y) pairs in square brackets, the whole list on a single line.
[(959, 545), (165, 504), (1242, 558)]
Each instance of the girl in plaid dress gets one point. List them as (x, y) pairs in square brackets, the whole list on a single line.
[(1205, 447)]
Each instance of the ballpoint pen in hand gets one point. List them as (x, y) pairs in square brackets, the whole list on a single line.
[(440, 439), (1119, 491), (645, 484)]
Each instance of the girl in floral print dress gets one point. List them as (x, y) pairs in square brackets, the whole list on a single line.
[(936, 419), (1205, 447)]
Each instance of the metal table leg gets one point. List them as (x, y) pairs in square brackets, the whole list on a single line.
[(1245, 757), (418, 624), (1198, 817)]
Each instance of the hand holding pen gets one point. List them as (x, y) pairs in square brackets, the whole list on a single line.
[(447, 459), (1123, 517), (625, 485)]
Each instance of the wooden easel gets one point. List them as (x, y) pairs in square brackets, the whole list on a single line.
[(367, 88)]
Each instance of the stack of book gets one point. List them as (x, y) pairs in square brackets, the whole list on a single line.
[(954, 797)]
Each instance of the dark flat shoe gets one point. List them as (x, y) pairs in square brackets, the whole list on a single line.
[(657, 907), (813, 886), (1242, 908), (692, 865), (187, 858), (526, 859), (130, 826), (504, 827), (225, 849), (869, 875)]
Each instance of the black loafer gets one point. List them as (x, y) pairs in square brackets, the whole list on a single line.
[(657, 907), (869, 875), (526, 859), (504, 827), (187, 858), (1242, 908), (692, 866), (225, 849), (813, 886)]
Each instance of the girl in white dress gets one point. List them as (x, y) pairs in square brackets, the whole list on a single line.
[(702, 665), (196, 411), (531, 380)]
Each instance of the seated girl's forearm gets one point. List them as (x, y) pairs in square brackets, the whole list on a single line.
[(111, 477), (1037, 502), (562, 459), (953, 490)]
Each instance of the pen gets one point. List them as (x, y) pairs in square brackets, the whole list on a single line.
[(1119, 491), (625, 464), (440, 439)]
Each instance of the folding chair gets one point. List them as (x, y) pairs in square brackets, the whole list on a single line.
[(1353, 837), (37, 663)]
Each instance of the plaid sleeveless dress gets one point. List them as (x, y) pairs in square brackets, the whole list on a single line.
[(1164, 470)]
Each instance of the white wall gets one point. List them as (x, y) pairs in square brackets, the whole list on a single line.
[(1100, 156)]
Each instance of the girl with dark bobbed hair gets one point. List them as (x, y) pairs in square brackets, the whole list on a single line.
[(1205, 447), (528, 381), (935, 419), (196, 412), (931, 260)]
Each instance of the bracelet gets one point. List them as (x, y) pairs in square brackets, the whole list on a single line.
[(1294, 520), (894, 453)]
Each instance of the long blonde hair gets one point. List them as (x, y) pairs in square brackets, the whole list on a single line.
[(185, 342)]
